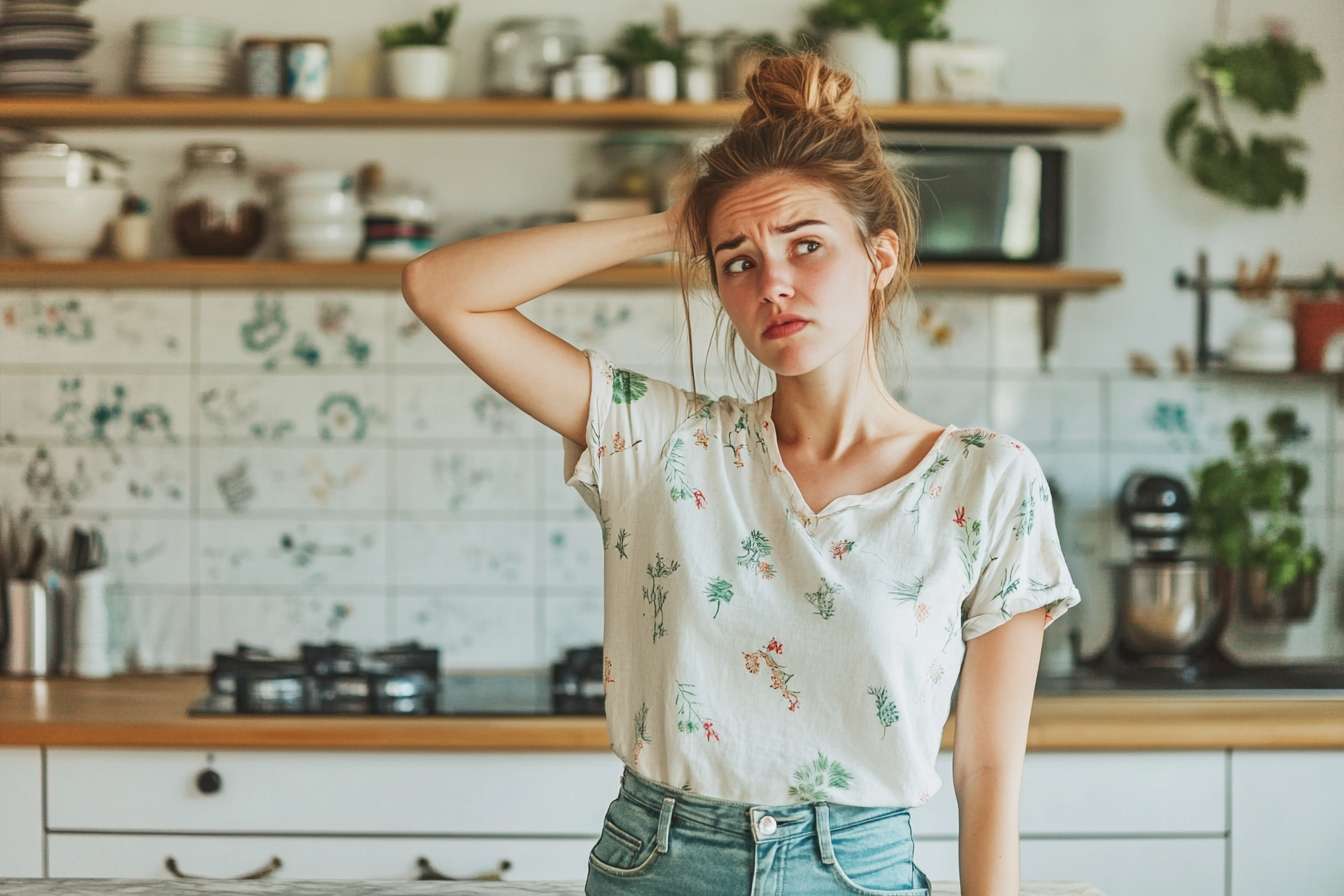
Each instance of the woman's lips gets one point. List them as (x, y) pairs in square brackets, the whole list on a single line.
[(788, 328)]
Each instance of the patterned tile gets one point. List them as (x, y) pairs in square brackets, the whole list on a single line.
[(60, 479), (631, 329), (413, 345), (340, 409), (58, 327), (1043, 410), (573, 553), (573, 619), (102, 409), (148, 552), (294, 330), (280, 622), (459, 407), (288, 553), (945, 332), (250, 478), (465, 553), (151, 632), (463, 480), (497, 631)]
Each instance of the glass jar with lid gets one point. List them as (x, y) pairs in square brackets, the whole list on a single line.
[(630, 173), (217, 206), (521, 54)]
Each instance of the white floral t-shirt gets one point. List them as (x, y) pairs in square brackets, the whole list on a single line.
[(759, 652)]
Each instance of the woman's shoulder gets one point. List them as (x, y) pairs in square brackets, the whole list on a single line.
[(989, 457)]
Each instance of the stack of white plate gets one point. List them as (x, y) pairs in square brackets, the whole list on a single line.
[(179, 54), (41, 42), (323, 220)]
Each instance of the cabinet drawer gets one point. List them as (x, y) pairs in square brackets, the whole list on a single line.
[(1180, 866), (20, 812), (1103, 793), (549, 793), (142, 856)]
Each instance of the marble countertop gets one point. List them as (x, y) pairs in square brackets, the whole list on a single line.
[(65, 887)]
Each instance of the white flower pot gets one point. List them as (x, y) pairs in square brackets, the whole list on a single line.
[(420, 73), (872, 61)]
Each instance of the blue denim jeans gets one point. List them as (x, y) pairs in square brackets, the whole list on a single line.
[(657, 839)]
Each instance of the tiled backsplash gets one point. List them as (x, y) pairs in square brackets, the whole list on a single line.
[(274, 467)]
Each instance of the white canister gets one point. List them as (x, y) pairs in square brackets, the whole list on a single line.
[(871, 60), (594, 79), (562, 86), (420, 73), (700, 84), (660, 81), (308, 69), (92, 642)]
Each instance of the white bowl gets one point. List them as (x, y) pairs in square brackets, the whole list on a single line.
[(337, 241), (58, 223), (323, 207)]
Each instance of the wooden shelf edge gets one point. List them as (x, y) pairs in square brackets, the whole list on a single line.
[(244, 274), (139, 111)]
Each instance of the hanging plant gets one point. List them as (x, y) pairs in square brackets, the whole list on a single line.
[(1270, 75)]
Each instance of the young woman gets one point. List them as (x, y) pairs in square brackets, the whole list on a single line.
[(791, 584)]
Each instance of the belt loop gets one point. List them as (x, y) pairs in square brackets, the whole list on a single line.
[(824, 833), (665, 823)]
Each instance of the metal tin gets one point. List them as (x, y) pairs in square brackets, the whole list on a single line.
[(264, 66), (308, 69), (31, 631)]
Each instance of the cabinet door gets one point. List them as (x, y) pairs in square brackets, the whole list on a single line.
[(20, 812), (314, 792), (1288, 823), (143, 856), (1103, 793), (1188, 866)]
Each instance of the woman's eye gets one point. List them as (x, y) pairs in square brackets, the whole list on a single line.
[(736, 266), (807, 247)]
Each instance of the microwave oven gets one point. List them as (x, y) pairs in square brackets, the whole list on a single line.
[(986, 202)]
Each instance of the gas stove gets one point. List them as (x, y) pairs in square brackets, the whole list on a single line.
[(336, 679)]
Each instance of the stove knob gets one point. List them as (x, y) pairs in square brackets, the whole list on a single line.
[(209, 781)]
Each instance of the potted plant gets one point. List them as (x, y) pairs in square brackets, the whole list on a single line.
[(1249, 507), (870, 37), (649, 62), (419, 62)]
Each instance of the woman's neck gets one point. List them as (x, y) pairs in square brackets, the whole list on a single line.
[(829, 411)]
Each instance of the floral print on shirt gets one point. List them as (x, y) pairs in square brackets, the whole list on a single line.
[(713, 563)]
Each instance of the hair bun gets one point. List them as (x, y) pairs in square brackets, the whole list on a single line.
[(796, 86)]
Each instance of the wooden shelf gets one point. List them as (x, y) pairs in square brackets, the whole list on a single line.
[(135, 111), (245, 274)]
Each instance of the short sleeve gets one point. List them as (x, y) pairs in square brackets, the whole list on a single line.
[(1024, 565), (630, 417)]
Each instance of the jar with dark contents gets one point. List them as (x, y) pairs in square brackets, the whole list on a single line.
[(218, 208)]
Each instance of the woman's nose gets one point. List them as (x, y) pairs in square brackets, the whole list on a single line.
[(776, 280)]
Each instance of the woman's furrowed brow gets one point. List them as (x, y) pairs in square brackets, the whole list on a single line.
[(783, 228)]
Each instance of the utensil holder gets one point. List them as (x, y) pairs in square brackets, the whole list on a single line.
[(32, 630)]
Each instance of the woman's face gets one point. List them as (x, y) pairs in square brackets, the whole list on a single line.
[(794, 275)]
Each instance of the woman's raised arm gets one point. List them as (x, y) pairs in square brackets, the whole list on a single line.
[(468, 294)]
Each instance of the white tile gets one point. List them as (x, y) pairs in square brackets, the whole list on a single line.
[(1015, 340), (340, 409), (466, 553), (1044, 410), (152, 632), (249, 478), (285, 553), (945, 398), (413, 345), (280, 622), (462, 480), (631, 329), (497, 631), (293, 330), (945, 332), (147, 552), (1077, 476), (573, 553), (573, 619), (56, 327), (459, 406), (62, 479), (96, 409)]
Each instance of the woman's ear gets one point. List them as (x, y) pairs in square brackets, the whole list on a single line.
[(886, 257)]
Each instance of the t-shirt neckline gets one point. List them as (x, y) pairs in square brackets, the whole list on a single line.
[(794, 495)]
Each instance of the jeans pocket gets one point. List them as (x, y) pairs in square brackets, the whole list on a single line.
[(628, 845), (876, 858)]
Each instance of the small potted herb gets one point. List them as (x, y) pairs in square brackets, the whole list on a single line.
[(648, 61), (1249, 507), (419, 62)]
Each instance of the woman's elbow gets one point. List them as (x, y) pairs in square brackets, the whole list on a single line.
[(413, 285)]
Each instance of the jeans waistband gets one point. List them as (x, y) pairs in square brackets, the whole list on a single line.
[(791, 819)]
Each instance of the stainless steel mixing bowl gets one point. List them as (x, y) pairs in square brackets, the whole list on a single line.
[(1167, 611)]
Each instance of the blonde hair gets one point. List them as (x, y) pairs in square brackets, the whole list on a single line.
[(805, 120)]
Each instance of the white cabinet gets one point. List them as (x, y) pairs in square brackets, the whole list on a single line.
[(1133, 824), (1288, 823), (20, 812), (316, 858)]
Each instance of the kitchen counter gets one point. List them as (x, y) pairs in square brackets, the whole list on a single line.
[(151, 711), (389, 888)]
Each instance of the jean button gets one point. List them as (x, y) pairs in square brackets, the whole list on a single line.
[(766, 826)]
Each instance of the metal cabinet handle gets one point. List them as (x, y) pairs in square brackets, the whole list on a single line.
[(429, 872), (261, 873)]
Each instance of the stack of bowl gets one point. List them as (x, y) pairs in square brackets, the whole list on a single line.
[(179, 54), (41, 42), (56, 201), (323, 220)]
